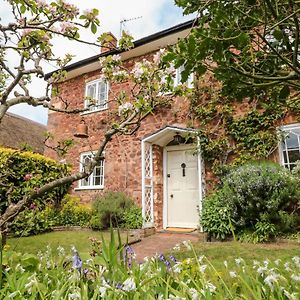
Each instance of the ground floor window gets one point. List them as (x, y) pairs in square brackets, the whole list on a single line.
[(96, 179), (290, 145)]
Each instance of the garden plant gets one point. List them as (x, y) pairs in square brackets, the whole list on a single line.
[(112, 273)]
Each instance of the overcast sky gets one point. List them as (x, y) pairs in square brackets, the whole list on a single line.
[(155, 15)]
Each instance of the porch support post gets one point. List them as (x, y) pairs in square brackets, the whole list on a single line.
[(147, 185)]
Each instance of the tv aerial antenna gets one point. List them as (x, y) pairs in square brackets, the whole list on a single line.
[(124, 21)]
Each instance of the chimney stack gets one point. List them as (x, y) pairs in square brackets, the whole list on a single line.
[(109, 42)]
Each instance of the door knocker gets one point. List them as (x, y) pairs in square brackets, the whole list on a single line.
[(183, 166)]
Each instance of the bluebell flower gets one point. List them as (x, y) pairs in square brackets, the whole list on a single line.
[(162, 257), (77, 262), (173, 258), (119, 286)]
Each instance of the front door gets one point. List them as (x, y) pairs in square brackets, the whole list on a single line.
[(182, 189)]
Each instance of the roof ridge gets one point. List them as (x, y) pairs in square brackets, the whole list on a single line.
[(13, 115)]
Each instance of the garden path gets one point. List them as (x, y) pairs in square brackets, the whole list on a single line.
[(159, 243)]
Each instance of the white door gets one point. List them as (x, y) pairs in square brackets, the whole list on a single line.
[(182, 189)]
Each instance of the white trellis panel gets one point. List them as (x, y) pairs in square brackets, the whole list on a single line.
[(147, 184)]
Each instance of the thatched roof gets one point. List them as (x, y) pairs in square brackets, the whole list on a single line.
[(16, 131)]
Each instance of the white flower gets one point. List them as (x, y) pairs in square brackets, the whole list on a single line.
[(296, 277), (125, 108), (238, 261), (177, 268), (176, 247), (129, 285), (66, 26), (203, 268), (19, 268), (102, 290), (157, 56), (194, 294), (225, 263), (232, 274), (287, 267), (211, 287), (290, 296), (277, 261), (14, 294), (187, 244), (296, 260), (74, 296), (266, 262), (200, 259), (138, 71), (261, 270), (116, 57), (271, 279)]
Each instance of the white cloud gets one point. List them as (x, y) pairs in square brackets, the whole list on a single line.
[(156, 15)]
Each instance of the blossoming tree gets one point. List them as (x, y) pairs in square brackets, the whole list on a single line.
[(35, 24)]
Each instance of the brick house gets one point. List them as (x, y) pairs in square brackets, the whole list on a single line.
[(153, 166)]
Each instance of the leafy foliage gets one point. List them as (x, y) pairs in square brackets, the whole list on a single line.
[(261, 198), (38, 219), (31, 221), (56, 275), (22, 172), (245, 55), (117, 209)]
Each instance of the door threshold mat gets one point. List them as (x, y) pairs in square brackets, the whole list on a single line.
[(180, 230)]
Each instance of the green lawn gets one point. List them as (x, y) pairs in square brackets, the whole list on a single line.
[(217, 252), (66, 239)]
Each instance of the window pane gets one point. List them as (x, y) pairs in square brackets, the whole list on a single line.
[(292, 141), (91, 90), (294, 155), (284, 157)]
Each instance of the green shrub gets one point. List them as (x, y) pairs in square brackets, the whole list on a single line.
[(112, 207), (259, 197), (30, 222), (71, 213), (217, 216), (33, 220), (133, 218), (21, 172)]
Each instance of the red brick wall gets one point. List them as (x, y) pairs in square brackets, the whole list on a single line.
[(123, 153)]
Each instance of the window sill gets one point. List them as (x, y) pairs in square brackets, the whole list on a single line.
[(93, 111), (85, 188)]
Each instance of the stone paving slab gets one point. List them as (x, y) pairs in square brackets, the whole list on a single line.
[(159, 243)]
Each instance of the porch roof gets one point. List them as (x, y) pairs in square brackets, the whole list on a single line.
[(164, 135)]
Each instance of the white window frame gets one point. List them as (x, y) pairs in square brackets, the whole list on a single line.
[(100, 104), (282, 146), (91, 178), (177, 79)]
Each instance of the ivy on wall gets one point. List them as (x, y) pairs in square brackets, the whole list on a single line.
[(232, 132)]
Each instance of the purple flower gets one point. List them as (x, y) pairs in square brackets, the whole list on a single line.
[(168, 264), (119, 286), (77, 262), (173, 258), (162, 258)]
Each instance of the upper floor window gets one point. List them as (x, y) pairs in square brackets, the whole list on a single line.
[(290, 145), (178, 77), (96, 93), (96, 179)]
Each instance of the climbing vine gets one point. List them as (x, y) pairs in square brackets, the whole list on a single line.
[(232, 132)]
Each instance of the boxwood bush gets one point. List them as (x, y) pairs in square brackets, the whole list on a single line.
[(256, 201)]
